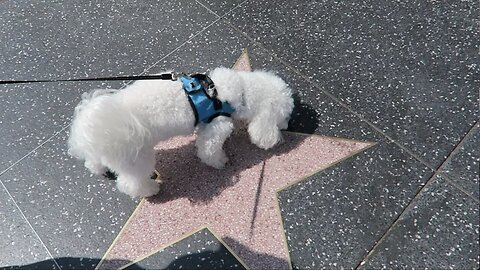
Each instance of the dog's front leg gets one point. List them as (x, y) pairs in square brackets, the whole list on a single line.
[(134, 176), (210, 141)]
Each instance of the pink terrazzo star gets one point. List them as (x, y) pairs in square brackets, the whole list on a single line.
[(237, 203)]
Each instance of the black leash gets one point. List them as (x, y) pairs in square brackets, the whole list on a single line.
[(165, 76)]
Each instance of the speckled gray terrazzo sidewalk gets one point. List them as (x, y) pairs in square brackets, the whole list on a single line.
[(404, 75)]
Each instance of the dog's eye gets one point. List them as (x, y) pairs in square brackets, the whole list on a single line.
[(192, 84)]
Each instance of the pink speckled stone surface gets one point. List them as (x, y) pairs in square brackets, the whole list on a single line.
[(243, 62), (238, 202)]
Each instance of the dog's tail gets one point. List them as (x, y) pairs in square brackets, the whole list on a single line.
[(103, 129)]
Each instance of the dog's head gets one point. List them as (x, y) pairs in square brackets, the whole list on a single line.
[(229, 85)]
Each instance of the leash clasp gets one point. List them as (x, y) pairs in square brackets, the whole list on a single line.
[(175, 75)]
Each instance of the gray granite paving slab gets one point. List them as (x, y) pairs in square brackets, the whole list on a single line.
[(75, 214), (216, 46), (64, 262), (439, 230), (314, 112), (411, 67), (32, 113), (463, 167), (221, 7), (18, 242), (333, 218), (68, 39), (201, 250)]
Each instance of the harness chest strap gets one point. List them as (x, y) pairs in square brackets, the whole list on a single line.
[(202, 96)]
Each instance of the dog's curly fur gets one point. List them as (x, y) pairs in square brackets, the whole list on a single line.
[(117, 129)]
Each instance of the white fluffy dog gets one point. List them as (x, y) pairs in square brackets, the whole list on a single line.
[(117, 129)]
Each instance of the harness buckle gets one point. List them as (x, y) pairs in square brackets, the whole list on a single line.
[(211, 90)]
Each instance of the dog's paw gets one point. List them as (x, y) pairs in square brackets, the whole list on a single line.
[(217, 161), (96, 168), (150, 191), (264, 137), (137, 190)]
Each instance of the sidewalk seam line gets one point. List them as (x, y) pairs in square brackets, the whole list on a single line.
[(30, 225)]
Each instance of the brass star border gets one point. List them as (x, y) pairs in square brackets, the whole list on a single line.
[(210, 199)]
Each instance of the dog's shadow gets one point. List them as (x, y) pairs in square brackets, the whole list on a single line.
[(304, 117), (183, 175)]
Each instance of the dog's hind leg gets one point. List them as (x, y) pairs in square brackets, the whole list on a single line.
[(134, 177), (210, 141), (95, 167)]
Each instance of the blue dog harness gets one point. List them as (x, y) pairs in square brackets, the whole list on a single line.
[(202, 96)]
